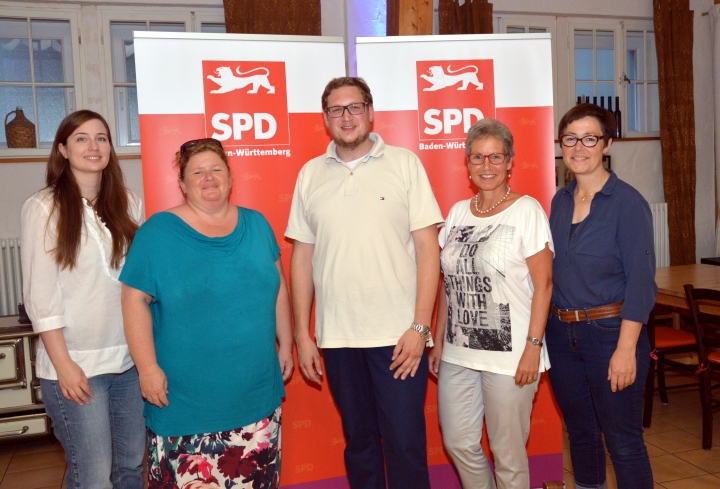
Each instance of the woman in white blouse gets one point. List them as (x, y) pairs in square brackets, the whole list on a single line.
[(75, 235)]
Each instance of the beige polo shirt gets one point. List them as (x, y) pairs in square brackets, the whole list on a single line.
[(360, 221)]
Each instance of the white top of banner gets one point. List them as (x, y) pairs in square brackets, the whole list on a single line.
[(170, 77), (452, 37), (240, 37), (522, 66)]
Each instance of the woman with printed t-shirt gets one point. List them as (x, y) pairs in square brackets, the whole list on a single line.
[(604, 291), (204, 300), (496, 261), (75, 234)]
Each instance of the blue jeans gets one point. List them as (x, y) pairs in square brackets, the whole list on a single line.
[(383, 418), (580, 354), (104, 441)]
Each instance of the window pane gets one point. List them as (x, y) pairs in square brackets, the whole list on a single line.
[(605, 90), (52, 53), (123, 51), (53, 104), (14, 51), (636, 107), (653, 112), (216, 28), (515, 30), (605, 44), (584, 55), (635, 56), (12, 97), (652, 69), (535, 30), (167, 27), (584, 90)]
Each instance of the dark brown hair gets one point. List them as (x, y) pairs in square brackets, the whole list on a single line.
[(111, 204), (580, 111), (347, 81), (182, 159)]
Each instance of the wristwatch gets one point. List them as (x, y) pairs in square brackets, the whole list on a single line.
[(424, 331), (534, 341)]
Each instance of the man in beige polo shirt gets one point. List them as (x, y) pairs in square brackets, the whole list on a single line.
[(364, 220)]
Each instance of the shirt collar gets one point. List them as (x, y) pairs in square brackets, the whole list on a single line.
[(377, 150), (605, 190)]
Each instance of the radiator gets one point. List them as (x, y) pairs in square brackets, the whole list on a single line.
[(10, 276), (662, 237)]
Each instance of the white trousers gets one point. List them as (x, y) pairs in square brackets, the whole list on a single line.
[(465, 397)]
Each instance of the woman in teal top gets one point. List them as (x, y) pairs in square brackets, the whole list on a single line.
[(204, 300)]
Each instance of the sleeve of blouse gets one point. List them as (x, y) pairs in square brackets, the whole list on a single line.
[(637, 249), (536, 231), (137, 211), (41, 289)]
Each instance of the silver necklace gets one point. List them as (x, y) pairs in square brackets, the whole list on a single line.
[(583, 198), (477, 198)]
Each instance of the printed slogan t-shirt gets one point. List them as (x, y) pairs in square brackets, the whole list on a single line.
[(488, 285)]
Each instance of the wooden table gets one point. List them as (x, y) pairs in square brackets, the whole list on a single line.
[(670, 282)]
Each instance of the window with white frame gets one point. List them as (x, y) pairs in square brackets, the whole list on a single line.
[(615, 62), (37, 72), (123, 72), (643, 99), (525, 24), (594, 57), (121, 59)]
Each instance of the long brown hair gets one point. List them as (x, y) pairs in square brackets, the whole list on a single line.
[(111, 204)]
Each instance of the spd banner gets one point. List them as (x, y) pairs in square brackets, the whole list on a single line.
[(427, 92), (260, 96)]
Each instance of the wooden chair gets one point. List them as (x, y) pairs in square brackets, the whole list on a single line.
[(707, 327), (665, 341)]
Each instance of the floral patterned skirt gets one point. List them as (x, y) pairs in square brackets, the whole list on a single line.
[(244, 458)]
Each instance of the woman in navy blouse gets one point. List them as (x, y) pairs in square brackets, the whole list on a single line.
[(604, 277)]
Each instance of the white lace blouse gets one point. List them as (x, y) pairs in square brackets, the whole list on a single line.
[(84, 301)]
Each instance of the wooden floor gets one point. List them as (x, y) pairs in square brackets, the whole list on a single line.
[(673, 441)]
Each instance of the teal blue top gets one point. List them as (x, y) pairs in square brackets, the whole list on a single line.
[(213, 311)]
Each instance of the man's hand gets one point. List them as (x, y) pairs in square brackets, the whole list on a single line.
[(309, 359), (407, 354)]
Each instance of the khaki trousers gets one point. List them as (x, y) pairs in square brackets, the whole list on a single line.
[(465, 398)]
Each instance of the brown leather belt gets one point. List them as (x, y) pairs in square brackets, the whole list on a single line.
[(601, 312)]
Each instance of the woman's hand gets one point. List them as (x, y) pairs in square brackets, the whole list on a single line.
[(73, 382), (622, 369), (434, 359), (527, 371), (287, 364), (154, 386)]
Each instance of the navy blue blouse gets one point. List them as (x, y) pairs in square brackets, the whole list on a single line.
[(610, 257)]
